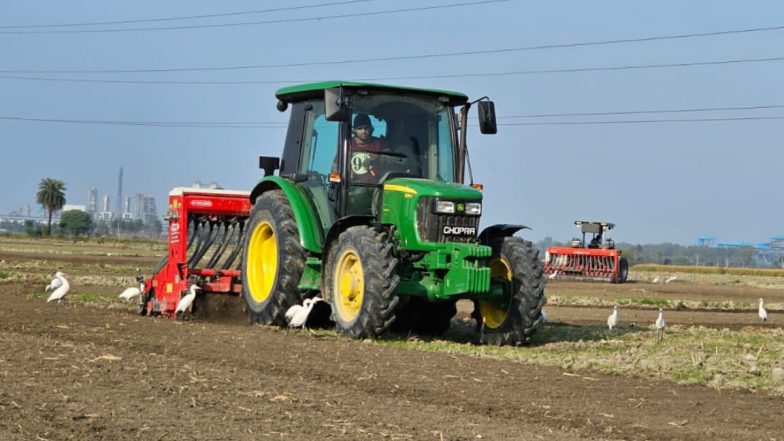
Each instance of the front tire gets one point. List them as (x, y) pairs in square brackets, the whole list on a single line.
[(272, 260), (360, 281), (515, 263)]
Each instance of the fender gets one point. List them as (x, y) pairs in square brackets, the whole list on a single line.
[(499, 230), (308, 224)]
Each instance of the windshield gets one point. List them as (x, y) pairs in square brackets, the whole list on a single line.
[(394, 135)]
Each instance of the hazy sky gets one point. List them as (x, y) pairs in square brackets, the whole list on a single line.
[(663, 181)]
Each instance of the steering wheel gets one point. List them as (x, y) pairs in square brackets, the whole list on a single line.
[(396, 174)]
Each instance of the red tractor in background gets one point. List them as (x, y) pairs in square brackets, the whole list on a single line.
[(598, 259)]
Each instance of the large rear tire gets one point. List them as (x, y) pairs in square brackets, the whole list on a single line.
[(515, 263), (272, 260), (360, 281), (623, 270)]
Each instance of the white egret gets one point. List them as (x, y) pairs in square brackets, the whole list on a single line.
[(655, 279), (670, 279), (612, 320), (660, 325), (552, 276), (544, 317), (763, 314), (297, 315), (187, 300), (60, 292), (55, 283), (132, 292)]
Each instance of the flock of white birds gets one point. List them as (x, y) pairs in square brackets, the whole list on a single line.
[(613, 319), (297, 315)]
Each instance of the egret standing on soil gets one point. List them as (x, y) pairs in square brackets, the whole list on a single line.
[(187, 300), (132, 292), (59, 292), (670, 279), (655, 279), (54, 284), (763, 314), (660, 325), (612, 320), (297, 315)]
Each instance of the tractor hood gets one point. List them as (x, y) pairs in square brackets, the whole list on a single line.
[(425, 187)]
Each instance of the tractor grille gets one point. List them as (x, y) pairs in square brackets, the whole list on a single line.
[(432, 226)]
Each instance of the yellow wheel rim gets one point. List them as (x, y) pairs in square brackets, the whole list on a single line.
[(493, 314), (349, 286), (262, 264)]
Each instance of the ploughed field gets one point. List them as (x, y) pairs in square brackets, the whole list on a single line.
[(92, 369)]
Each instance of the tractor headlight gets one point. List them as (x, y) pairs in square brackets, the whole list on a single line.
[(473, 208), (445, 207)]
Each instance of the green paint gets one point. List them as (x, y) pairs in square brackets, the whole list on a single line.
[(399, 208), (311, 276), (307, 221), (447, 269)]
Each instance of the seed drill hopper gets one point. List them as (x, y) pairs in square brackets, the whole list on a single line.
[(205, 228), (597, 259)]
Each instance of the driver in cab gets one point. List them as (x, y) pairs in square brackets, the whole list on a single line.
[(364, 150)]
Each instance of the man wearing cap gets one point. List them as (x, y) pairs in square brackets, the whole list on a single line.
[(363, 147), (363, 138)]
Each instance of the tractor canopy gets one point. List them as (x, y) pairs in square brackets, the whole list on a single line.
[(308, 91)]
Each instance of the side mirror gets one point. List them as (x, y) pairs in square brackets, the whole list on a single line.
[(487, 123), (269, 164), (334, 107)]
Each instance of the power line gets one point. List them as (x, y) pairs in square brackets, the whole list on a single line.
[(409, 57), (279, 125), (420, 77), (581, 69), (649, 121), (188, 17), (194, 124), (264, 22), (637, 112)]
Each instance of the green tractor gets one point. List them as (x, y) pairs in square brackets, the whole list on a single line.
[(385, 231)]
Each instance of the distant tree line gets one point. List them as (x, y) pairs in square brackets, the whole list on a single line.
[(675, 254), (77, 223)]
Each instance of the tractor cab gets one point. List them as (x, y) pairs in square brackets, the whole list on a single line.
[(346, 140), (596, 230)]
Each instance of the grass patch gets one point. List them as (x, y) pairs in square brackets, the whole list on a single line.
[(766, 272), (651, 302), (739, 359), (637, 302), (92, 246)]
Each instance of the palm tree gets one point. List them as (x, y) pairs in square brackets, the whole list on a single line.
[(51, 194)]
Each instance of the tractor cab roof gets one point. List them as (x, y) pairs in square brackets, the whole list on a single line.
[(308, 91), (594, 227)]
